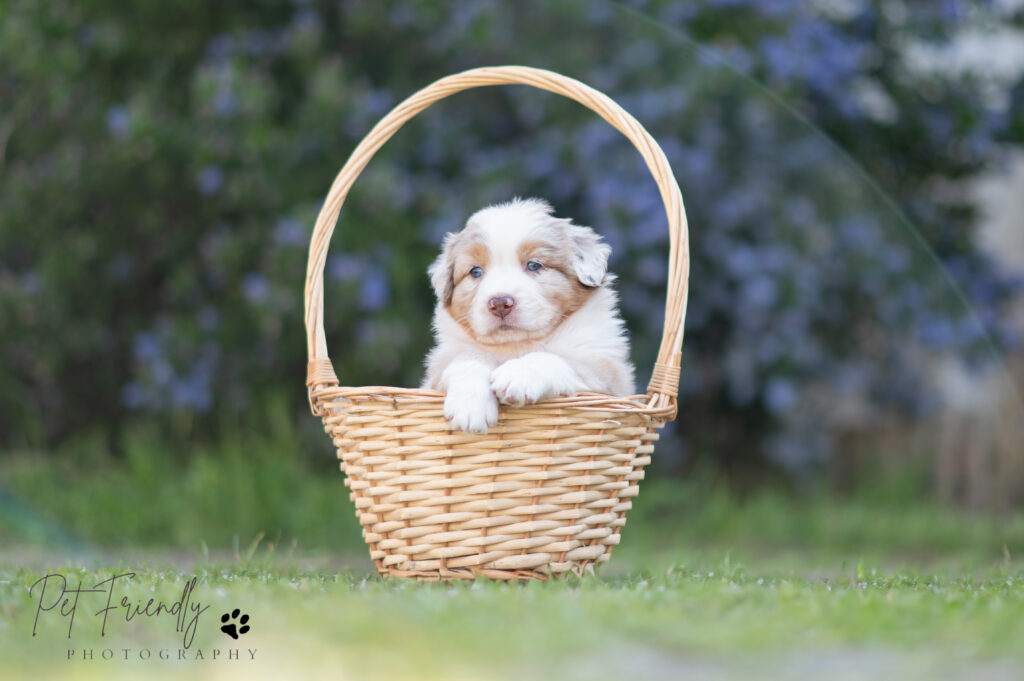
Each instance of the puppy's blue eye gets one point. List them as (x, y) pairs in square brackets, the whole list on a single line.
[(476, 273), (533, 265)]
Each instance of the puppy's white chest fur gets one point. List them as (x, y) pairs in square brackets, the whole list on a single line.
[(525, 313)]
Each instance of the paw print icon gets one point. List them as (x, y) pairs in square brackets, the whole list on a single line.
[(232, 625)]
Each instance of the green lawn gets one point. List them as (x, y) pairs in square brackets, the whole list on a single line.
[(722, 620), (704, 585)]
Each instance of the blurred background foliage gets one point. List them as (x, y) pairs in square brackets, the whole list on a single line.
[(162, 164)]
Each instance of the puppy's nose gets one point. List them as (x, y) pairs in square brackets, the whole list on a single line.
[(501, 305)]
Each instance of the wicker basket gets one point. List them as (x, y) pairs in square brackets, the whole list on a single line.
[(547, 489)]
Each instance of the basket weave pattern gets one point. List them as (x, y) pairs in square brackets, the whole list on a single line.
[(546, 490)]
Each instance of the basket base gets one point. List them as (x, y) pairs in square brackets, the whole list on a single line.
[(447, 574), (542, 494)]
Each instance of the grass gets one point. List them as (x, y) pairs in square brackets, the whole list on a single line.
[(704, 585), (730, 621)]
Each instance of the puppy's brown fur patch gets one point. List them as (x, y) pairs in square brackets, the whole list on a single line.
[(557, 277), (466, 254)]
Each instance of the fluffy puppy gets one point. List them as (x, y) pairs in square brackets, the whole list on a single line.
[(524, 313)]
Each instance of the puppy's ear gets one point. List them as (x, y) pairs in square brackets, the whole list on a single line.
[(589, 255), (442, 271)]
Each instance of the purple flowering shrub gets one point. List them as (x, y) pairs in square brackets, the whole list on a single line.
[(164, 165)]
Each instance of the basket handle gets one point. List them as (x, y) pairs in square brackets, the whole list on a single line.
[(663, 387)]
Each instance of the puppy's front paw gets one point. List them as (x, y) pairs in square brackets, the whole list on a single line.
[(516, 383), (471, 411)]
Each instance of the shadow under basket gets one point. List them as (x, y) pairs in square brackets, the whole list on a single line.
[(544, 492)]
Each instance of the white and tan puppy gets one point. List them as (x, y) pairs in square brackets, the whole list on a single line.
[(524, 313)]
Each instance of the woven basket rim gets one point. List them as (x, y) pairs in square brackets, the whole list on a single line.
[(409, 397)]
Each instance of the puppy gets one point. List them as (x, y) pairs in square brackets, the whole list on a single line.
[(524, 313)]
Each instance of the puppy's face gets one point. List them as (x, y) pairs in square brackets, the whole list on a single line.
[(515, 272)]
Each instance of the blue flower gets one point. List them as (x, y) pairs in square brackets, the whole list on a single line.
[(652, 269), (160, 371), (895, 258), (119, 121), (779, 395), (147, 346), (132, 395), (221, 47), (937, 332), (760, 292), (255, 287), (307, 20), (374, 291), (289, 232), (859, 232), (30, 282), (775, 8), (209, 180), (225, 103), (378, 101), (344, 267)]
